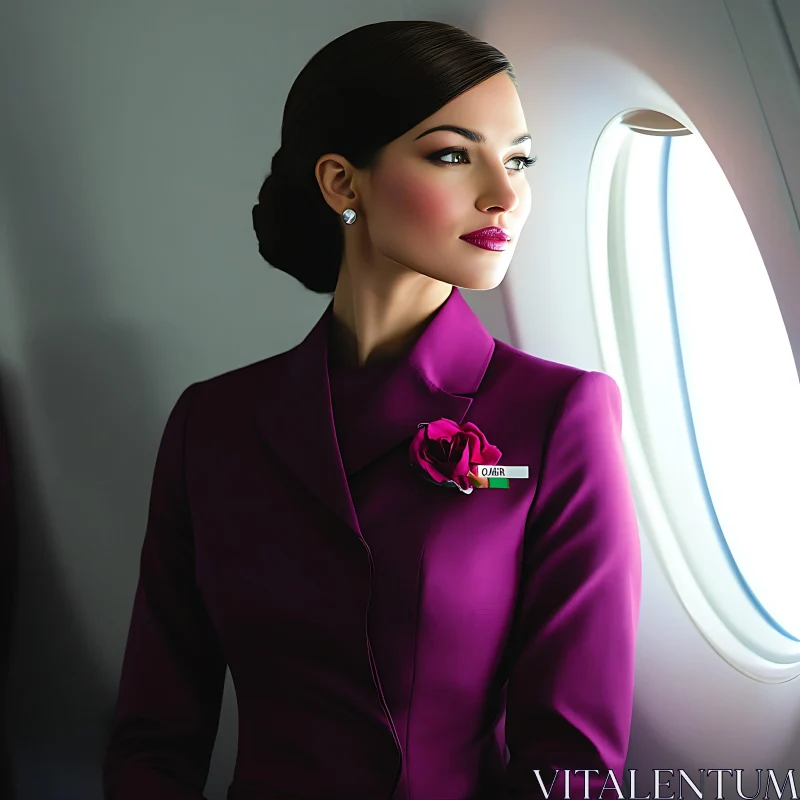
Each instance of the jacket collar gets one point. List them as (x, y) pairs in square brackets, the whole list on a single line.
[(434, 380)]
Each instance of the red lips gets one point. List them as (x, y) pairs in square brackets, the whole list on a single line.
[(491, 232)]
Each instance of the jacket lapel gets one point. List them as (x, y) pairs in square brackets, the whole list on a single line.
[(436, 379)]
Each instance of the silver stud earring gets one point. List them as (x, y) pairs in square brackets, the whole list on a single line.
[(349, 216)]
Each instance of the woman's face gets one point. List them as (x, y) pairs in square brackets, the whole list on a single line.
[(429, 189)]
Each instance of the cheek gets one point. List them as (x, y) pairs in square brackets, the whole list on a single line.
[(409, 200)]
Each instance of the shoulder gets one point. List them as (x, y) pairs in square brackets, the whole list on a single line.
[(544, 387), (511, 362), (527, 376), (257, 371), (235, 389)]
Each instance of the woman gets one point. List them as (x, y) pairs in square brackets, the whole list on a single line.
[(390, 632)]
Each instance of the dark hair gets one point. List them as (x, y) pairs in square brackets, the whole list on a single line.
[(357, 94)]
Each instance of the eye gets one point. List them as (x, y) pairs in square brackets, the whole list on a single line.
[(438, 158), (524, 161), (454, 153)]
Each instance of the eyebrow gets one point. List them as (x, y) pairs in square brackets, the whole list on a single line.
[(471, 135)]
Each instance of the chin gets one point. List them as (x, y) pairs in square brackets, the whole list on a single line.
[(480, 280), (483, 283), (459, 272)]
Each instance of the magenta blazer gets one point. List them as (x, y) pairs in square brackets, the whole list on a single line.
[(387, 637)]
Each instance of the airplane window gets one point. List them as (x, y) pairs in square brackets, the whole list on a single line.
[(690, 327), (740, 376)]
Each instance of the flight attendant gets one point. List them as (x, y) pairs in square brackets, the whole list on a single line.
[(413, 545)]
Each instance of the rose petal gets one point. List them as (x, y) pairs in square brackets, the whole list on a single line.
[(473, 428), (443, 429)]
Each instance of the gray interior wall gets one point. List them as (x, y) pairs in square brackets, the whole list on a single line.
[(134, 138)]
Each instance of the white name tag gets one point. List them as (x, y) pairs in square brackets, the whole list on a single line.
[(498, 471)]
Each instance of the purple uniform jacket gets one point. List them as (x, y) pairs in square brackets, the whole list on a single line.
[(386, 637)]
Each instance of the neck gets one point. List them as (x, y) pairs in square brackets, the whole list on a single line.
[(378, 314)]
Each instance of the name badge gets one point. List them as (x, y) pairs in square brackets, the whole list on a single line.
[(497, 476)]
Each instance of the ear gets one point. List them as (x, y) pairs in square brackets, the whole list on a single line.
[(335, 174)]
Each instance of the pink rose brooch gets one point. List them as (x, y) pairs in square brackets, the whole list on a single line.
[(446, 453)]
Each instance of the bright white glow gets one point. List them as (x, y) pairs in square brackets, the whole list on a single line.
[(743, 388), (628, 249)]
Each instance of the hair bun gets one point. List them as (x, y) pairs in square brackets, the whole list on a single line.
[(296, 231), (266, 223)]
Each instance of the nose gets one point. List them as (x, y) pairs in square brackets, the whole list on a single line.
[(498, 193)]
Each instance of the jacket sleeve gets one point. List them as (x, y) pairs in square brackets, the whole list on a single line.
[(173, 672), (570, 688)]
